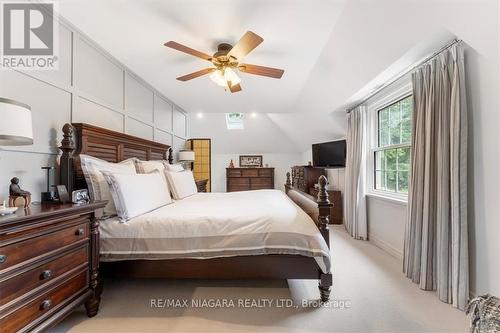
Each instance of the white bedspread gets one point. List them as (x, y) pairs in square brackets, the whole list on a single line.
[(209, 225)]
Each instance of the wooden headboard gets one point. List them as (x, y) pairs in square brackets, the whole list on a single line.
[(104, 144)]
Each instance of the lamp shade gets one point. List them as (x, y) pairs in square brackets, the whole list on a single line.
[(186, 155), (16, 128)]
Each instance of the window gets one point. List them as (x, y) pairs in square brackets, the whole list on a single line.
[(234, 121), (392, 152)]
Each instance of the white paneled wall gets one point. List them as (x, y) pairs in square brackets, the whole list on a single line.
[(90, 86)]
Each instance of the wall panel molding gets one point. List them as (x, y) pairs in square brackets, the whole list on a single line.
[(67, 96)]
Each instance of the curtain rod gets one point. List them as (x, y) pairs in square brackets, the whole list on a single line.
[(405, 72)]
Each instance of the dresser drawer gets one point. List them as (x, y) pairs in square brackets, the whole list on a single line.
[(264, 181), (239, 181), (43, 304), (40, 275), (266, 172), (249, 173), (236, 188), (24, 250), (233, 172)]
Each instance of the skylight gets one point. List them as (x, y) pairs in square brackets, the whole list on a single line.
[(234, 121)]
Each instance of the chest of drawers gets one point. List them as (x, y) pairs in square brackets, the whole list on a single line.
[(304, 177), (48, 265), (246, 179)]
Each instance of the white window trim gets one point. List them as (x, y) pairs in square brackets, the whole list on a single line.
[(373, 107)]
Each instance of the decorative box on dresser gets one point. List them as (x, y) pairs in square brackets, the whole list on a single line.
[(246, 179), (49, 260)]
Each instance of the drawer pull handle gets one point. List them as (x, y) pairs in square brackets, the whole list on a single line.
[(3, 258), (46, 274), (46, 304), (79, 232)]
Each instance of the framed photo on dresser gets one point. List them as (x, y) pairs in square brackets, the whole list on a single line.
[(250, 161)]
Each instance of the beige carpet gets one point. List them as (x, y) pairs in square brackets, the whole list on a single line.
[(371, 292)]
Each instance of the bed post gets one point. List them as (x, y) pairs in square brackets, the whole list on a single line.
[(66, 163), (324, 207), (170, 157)]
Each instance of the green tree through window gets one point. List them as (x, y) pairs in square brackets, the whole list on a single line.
[(392, 155)]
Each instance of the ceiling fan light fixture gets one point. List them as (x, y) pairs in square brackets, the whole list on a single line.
[(226, 60), (230, 76), (218, 78)]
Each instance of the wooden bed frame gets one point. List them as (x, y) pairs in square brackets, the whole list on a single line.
[(114, 147)]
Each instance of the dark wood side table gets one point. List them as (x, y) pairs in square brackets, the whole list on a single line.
[(49, 261), (201, 185)]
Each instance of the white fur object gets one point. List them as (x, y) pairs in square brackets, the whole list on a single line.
[(93, 169), (137, 194), (182, 184)]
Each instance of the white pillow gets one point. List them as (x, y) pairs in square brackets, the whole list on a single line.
[(93, 169), (137, 194), (174, 167), (148, 166), (181, 184)]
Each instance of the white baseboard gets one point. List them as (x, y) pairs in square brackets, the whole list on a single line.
[(386, 247)]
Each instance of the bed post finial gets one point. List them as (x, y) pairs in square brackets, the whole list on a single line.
[(324, 207), (66, 163), (170, 157)]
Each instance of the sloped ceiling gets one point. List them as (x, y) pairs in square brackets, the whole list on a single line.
[(334, 52), (260, 134), (294, 32)]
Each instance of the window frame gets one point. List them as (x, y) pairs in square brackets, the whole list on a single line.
[(373, 107)]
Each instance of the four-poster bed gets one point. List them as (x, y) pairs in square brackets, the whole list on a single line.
[(115, 147)]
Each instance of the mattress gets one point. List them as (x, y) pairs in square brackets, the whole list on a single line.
[(211, 225)]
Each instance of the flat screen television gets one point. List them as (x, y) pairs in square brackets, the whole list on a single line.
[(329, 154)]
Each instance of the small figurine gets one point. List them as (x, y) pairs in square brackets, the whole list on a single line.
[(17, 196), (231, 164)]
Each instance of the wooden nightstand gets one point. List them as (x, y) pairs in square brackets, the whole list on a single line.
[(201, 184), (49, 260)]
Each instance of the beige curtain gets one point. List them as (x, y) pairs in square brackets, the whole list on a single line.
[(355, 200), (436, 248)]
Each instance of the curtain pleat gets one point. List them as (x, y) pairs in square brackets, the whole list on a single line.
[(436, 247), (355, 201)]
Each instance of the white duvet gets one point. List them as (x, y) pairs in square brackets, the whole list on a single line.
[(209, 225)]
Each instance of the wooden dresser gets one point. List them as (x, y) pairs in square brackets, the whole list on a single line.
[(336, 211), (304, 177), (246, 179), (49, 257)]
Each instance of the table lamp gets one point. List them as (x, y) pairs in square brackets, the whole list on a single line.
[(16, 128), (186, 156)]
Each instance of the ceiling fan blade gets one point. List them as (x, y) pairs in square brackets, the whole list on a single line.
[(275, 73), (245, 45), (234, 88), (196, 74), (188, 50)]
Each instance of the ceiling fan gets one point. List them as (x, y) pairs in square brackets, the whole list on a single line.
[(226, 60)]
